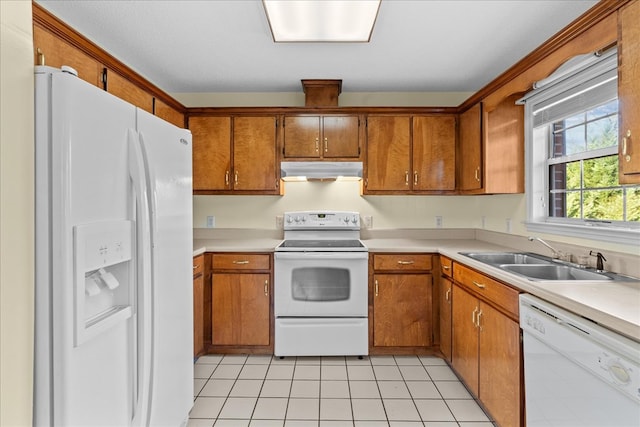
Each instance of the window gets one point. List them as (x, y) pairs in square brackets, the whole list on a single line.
[(571, 120)]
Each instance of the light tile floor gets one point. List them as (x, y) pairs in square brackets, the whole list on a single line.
[(377, 391)]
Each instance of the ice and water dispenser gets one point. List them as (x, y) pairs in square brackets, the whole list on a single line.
[(105, 276)]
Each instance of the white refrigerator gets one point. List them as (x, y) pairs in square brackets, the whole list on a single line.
[(114, 308)]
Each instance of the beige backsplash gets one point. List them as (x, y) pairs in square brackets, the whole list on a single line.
[(617, 262)]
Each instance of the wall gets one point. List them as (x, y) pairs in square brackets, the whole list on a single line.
[(16, 213), (389, 212), (346, 99)]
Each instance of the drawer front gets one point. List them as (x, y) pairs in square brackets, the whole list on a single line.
[(492, 290), (402, 262), (446, 265), (198, 265), (241, 262)]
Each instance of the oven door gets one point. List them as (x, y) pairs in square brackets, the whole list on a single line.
[(320, 284)]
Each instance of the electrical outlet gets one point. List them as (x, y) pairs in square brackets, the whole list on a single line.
[(211, 221), (368, 222), (279, 222), (438, 221), (508, 221)]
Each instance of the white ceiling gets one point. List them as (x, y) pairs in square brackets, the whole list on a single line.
[(226, 46)]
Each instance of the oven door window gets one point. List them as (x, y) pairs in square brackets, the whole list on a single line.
[(320, 284)]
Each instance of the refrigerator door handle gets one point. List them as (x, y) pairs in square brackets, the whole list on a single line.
[(144, 315)]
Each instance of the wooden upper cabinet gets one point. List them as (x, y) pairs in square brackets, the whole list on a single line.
[(234, 154), (504, 147), (211, 153), (434, 153), (629, 93), (124, 89), (254, 154), (388, 165), (56, 53), (301, 136), (340, 136), (470, 149), (168, 113), (321, 137)]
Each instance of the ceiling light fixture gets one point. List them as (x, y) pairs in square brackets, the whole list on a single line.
[(321, 21)]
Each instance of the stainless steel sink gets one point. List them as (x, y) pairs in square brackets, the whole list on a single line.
[(500, 258), (539, 267), (554, 272)]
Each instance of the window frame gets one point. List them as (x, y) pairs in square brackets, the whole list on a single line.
[(572, 74)]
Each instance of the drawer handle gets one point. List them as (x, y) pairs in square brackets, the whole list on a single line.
[(195, 267), (406, 262), (480, 285), (446, 267), (376, 291), (243, 262), (266, 288)]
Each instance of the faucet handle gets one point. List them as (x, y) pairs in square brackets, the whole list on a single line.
[(599, 261)]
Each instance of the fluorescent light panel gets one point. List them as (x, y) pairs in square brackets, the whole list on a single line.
[(321, 21)]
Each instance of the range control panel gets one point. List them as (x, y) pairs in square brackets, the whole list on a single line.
[(313, 220)]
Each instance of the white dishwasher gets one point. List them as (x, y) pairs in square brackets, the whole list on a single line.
[(577, 373)]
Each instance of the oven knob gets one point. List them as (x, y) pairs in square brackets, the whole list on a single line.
[(289, 219), (304, 219), (346, 219), (297, 219), (354, 219)]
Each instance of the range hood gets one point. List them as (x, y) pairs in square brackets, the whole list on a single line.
[(320, 171)]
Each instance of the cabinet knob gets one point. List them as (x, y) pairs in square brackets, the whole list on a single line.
[(406, 177), (376, 288), (242, 262), (317, 145), (326, 144), (266, 288), (226, 178), (405, 262), (415, 178)]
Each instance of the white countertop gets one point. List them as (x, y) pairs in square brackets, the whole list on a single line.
[(613, 304)]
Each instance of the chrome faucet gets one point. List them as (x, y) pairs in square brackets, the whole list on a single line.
[(599, 261), (554, 252)]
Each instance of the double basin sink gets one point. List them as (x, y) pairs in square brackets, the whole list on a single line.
[(538, 267)]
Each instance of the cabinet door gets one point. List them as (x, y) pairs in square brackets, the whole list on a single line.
[(301, 136), (240, 312), (445, 306), (254, 153), (57, 53), (434, 153), (500, 373), (629, 93), (130, 92), (504, 147), (464, 354), (198, 315), (388, 153), (470, 149), (402, 310), (340, 136), (211, 152)]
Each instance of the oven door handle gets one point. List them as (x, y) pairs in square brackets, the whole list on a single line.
[(321, 255)]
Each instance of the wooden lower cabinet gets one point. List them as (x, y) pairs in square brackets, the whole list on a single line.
[(198, 305), (401, 301), (486, 345), (241, 303), (445, 299), (240, 309)]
